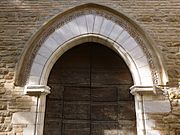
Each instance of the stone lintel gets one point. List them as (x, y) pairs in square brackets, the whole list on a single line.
[(37, 90)]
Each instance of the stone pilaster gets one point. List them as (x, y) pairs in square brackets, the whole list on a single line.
[(147, 101), (34, 119)]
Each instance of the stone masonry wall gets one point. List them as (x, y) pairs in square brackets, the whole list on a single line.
[(19, 20)]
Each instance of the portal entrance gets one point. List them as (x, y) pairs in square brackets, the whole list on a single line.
[(90, 94)]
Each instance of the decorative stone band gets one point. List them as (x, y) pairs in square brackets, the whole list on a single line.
[(96, 22), (36, 90), (91, 24)]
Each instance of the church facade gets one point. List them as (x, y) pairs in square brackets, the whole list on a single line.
[(90, 67)]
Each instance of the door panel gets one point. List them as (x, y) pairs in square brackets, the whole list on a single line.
[(104, 94), (76, 127), (104, 111), (90, 94), (76, 93)]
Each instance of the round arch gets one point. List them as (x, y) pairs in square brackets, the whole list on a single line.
[(83, 39), (92, 20)]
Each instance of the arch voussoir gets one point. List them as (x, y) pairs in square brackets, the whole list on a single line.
[(94, 24)]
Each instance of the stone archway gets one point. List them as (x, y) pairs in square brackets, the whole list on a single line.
[(91, 23), (97, 25), (91, 20)]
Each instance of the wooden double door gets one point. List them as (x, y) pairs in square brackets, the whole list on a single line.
[(90, 94)]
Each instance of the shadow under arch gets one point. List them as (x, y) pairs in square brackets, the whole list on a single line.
[(155, 61)]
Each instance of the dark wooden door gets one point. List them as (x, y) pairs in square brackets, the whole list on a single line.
[(90, 94)]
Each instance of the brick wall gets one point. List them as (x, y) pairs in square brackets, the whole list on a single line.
[(19, 20)]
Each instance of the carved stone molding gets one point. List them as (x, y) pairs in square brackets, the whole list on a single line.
[(37, 90), (121, 21), (142, 90)]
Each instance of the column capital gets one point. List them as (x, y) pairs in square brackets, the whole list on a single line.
[(36, 90), (140, 90)]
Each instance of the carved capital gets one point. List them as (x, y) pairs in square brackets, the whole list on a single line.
[(140, 90), (37, 90)]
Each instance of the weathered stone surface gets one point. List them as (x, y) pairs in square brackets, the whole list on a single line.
[(19, 20)]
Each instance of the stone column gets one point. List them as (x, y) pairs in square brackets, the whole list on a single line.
[(147, 101), (34, 119)]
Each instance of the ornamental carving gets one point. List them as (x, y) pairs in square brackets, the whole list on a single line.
[(138, 37)]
